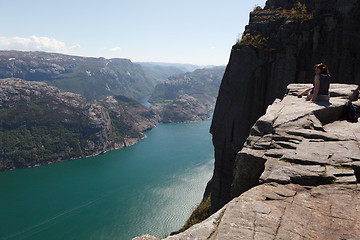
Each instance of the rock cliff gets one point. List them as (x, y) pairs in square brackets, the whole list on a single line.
[(296, 177), (297, 151), (280, 46), (42, 124)]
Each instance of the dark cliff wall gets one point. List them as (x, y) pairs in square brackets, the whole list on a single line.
[(289, 42)]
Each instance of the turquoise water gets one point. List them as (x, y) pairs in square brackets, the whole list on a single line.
[(150, 187)]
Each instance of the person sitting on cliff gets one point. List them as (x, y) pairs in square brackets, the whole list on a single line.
[(320, 89)]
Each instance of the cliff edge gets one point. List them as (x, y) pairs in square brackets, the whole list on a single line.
[(297, 175), (280, 46)]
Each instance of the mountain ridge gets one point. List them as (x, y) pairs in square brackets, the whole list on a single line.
[(91, 77)]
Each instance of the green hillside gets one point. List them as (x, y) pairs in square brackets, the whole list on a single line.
[(91, 77), (201, 84)]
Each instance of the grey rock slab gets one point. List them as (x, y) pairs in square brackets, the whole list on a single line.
[(273, 211)]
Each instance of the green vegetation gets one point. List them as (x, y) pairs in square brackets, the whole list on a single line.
[(40, 125), (93, 78), (31, 133), (43, 131), (257, 8), (341, 167), (159, 72), (121, 128), (299, 11), (200, 84), (248, 39), (34, 145), (202, 212)]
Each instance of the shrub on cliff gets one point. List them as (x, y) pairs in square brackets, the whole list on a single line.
[(299, 11), (202, 212), (253, 40)]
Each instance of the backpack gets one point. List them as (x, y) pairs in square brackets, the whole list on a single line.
[(351, 112)]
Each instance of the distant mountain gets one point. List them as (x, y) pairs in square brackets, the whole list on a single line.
[(181, 66), (41, 124), (202, 84), (160, 72), (184, 108), (85, 112), (93, 78)]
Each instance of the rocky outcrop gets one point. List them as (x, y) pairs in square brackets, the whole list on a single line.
[(281, 44), (297, 175), (188, 97), (131, 112), (202, 84), (183, 109), (300, 142), (42, 124), (273, 211)]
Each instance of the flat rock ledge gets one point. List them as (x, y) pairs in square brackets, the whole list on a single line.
[(297, 176)]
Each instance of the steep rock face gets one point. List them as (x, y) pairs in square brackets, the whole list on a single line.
[(259, 69), (42, 124)]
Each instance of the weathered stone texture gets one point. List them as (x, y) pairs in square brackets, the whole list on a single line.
[(272, 211), (296, 177), (289, 144), (256, 76)]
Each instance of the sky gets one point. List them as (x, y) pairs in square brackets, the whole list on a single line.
[(199, 32)]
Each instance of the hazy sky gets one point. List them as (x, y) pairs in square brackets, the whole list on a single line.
[(183, 31)]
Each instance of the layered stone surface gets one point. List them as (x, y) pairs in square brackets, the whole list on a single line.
[(273, 211), (301, 142), (297, 176), (257, 74)]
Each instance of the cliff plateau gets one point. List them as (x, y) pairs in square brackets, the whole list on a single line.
[(294, 174), (280, 46), (296, 177)]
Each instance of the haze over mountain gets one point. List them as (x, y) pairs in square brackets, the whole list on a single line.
[(97, 112), (182, 66), (203, 84), (93, 78)]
